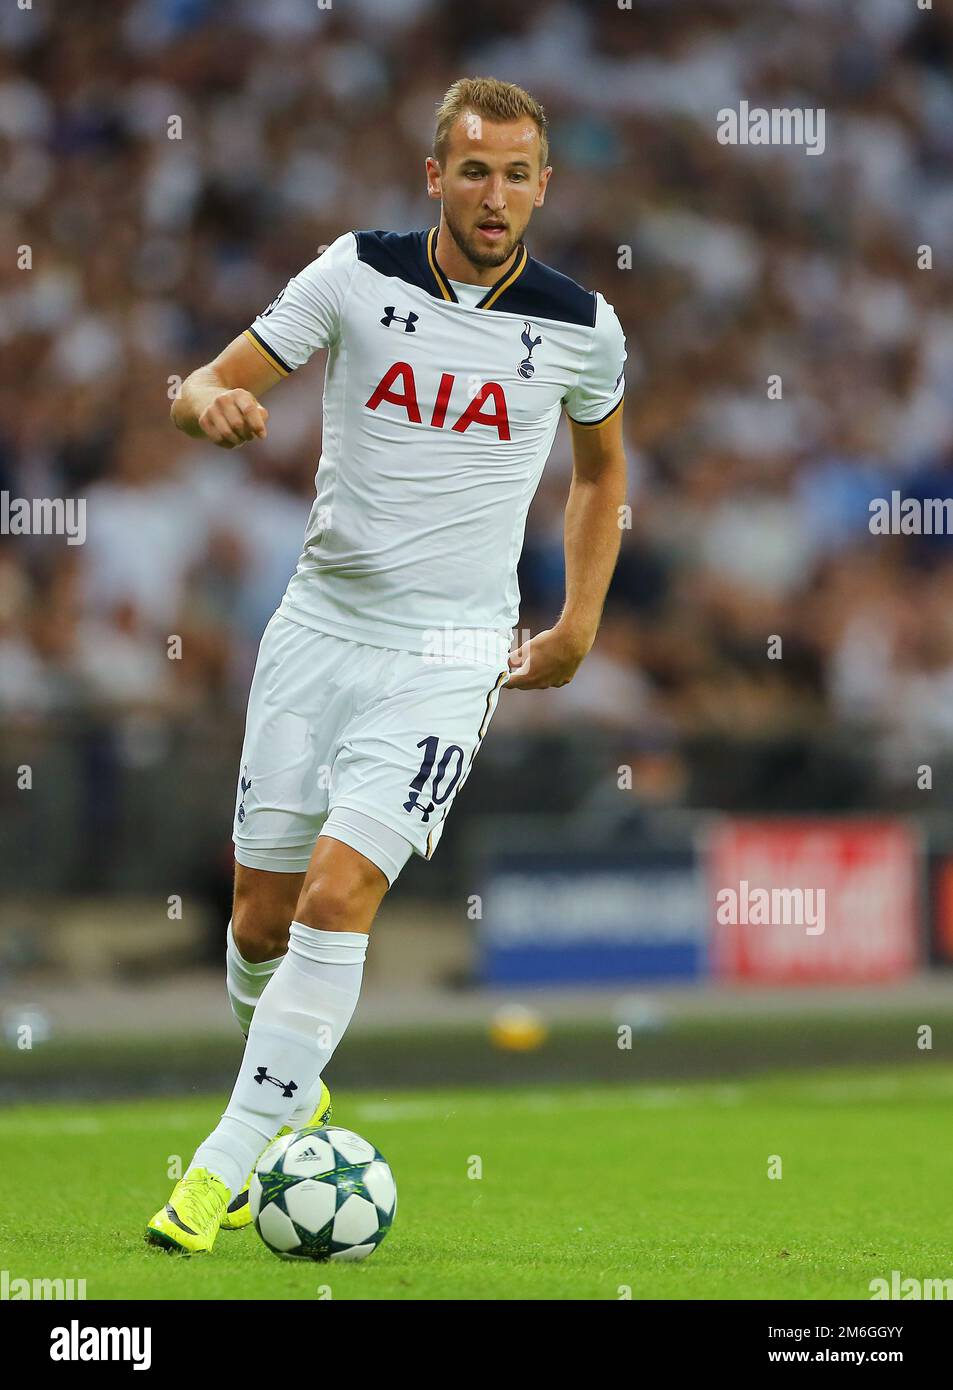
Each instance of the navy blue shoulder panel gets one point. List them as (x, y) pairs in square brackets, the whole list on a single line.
[(543, 293), (538, 292), (399, 254)]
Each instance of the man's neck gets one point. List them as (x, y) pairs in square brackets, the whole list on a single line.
[(456, 266)]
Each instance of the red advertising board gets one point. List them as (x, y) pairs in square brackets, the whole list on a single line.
[(943, 910), (814, 901)]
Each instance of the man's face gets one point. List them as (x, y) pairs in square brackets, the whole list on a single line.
[(489, 185)]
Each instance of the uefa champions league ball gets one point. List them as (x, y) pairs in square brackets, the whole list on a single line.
[(322, 1194)]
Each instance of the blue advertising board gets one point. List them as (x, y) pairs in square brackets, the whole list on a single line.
[(579, 918)]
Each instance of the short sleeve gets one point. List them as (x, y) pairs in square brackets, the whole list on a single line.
[(307, 313), (600, 387)]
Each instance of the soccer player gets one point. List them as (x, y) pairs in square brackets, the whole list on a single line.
[(452, 354)]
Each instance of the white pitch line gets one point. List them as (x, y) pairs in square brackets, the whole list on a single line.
[(833, 1091), (548, 1103)]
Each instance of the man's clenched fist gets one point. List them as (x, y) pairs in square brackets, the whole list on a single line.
[(232, 418)]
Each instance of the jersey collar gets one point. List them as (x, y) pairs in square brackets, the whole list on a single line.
[(443, 289)]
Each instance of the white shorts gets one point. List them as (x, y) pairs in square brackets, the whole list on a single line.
[(367, 745)]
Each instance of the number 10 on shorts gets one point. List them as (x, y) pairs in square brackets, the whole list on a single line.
[(445, 776)]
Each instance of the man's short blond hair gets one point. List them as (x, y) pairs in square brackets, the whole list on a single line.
[(494, 101)]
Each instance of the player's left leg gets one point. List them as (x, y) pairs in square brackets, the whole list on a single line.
[(298, 1022), (263, 908)]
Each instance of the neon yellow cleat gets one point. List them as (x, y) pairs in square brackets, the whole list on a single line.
[(238, 1215), (190, 1220)]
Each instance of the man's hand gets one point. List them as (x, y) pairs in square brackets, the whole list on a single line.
[(231, 418), (220, 401), (550, 658)]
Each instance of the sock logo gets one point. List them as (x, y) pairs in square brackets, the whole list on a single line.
[(287, 1088)]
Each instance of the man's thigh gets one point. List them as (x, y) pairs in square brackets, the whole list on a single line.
[(302, 694), (404, 758), (365, 746)]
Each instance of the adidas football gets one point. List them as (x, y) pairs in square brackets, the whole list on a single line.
[(322, 1194)]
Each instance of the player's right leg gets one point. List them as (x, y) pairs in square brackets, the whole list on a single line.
[(256, 941), (305, 689), (263, 907), (300, 1019)]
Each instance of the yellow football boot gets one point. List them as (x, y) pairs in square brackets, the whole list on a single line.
[(238, 1215), (190, 1220)]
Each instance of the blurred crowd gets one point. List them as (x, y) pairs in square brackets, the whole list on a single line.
[(168, 164)]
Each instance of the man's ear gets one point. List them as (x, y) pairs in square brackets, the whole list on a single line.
[(543, 184), (433, 177)]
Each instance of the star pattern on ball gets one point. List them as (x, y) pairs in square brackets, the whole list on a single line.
[(352, 1221)]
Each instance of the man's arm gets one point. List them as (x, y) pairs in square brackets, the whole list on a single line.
[(220, 401), (592, 538)]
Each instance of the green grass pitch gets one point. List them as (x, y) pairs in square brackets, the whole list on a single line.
[(585, 1192)]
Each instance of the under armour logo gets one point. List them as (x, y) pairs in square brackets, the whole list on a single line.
[(412, 804), (390, 317), (287, 1088), (526, 367)]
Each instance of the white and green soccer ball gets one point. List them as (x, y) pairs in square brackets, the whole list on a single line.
[(322, 1194)]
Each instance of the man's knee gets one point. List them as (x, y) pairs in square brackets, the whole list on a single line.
[(262, 911), (342, 890)]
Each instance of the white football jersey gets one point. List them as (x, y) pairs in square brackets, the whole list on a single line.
[(438, 419)]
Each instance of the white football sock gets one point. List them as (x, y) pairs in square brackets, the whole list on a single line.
[(300, 1019), (245, 980)]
